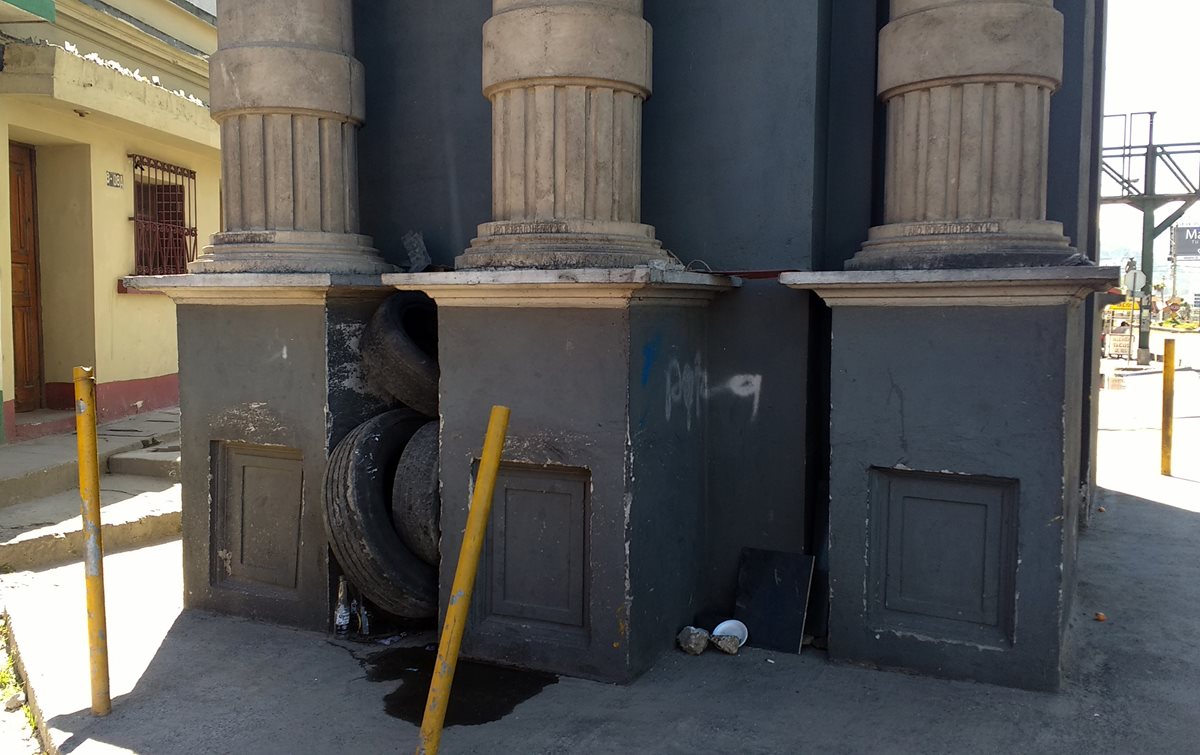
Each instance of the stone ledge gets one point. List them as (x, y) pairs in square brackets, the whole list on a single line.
[(1017, 287), (256, 289), (579, 288)]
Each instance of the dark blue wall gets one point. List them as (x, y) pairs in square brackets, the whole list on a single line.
[(731, 158), (425, 152)]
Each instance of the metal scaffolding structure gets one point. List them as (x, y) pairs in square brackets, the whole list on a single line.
[(1146, 175)]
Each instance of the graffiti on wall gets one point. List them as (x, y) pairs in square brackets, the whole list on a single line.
[(688, 387)]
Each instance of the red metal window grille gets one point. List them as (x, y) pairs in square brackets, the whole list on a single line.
[(164, 217)]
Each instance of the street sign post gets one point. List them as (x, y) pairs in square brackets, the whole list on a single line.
[(1134, 280)]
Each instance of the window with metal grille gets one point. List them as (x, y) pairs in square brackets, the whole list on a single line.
[(164, 217)]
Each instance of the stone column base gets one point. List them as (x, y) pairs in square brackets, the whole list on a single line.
[(955, 434), (269, 383), (594, 547), (966, 244), (565, 244), (290, 252)]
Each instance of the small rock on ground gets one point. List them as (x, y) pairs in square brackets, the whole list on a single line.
[(726, 643), (693, 640)]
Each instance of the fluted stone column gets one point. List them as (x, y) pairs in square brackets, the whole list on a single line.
[(967, 86), (289, 97), (566, 79)]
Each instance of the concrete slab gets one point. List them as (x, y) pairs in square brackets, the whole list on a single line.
[(156, 461), (45, 466), (135, 510)]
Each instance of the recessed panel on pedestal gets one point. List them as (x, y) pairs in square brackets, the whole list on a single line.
[(537, 548), (943, 555), (257, 503)]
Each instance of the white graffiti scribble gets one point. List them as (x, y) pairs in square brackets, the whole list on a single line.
[(742, 386), (687, 386)]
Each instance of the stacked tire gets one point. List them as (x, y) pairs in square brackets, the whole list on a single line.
[(358, 485), (399, 352), (382, 508)]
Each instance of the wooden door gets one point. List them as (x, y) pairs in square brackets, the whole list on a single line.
[(27, 307)]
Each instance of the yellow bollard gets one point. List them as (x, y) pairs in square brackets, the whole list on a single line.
[(1168, 404), (93, 548), (464, 583)]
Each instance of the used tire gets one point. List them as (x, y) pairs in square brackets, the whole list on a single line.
[(399, 351), (358, 517), (416, 503)]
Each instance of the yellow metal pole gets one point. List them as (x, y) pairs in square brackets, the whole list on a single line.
[(93, 549), (464, 583), (1168, 404)]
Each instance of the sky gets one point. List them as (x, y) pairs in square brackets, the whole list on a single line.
[(1152, 64)]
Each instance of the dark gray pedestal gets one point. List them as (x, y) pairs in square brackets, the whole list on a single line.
[(955, 476), (593, 550), (266, 392)]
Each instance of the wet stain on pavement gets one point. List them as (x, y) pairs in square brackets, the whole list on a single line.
[(481, 693)]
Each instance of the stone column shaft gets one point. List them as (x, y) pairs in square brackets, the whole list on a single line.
[(566, 152), (955, 158), (567, 79), (289, 96), (967, 86)]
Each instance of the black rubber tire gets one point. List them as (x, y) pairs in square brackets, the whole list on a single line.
[(416, 502), (358, 517), (399, 352)]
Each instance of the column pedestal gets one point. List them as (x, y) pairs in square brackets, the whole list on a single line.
[(270, 381), (593, 549), (955, 483)]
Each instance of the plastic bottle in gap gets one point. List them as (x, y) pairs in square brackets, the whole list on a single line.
[(341, 614)]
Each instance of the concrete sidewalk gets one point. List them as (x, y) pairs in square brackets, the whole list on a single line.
[(135, 510), (186, 681), (39, 498), (43, 467)]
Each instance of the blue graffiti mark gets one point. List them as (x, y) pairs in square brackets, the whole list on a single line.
[(650, 356)]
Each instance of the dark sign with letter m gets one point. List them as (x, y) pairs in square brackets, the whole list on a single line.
[(1187, 242)]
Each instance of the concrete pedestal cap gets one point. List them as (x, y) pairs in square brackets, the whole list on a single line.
[(287, 80), (607, 44), (971, 41), (321, 24)]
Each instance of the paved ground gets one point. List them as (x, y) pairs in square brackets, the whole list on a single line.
[(196, 682)]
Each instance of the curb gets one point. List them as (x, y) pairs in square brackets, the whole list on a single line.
[(62, 548), (39, 720)]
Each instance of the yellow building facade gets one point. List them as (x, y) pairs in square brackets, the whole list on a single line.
[(114, 169)]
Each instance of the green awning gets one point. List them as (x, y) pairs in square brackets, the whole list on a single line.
[(26, 10)]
